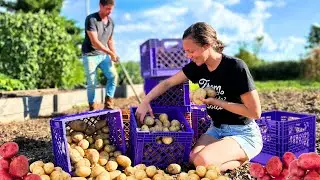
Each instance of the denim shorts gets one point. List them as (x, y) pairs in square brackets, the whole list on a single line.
[(248, 136)]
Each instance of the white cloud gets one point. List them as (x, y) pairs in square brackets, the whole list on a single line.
[(228, 2)]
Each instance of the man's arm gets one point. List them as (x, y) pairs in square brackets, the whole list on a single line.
[(111, 45), (93, 35)]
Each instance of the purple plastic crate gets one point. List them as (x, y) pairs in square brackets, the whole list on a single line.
[(286, 132), (175, 96), (162, 57), (144, 149), (200, 120), (58, 132)]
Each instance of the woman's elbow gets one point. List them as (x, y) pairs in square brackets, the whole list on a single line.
[(256, 115)]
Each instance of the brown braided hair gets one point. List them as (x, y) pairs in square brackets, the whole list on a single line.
[(203, 34)]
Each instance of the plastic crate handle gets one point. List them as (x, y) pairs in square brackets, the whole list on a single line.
[(171, 44)]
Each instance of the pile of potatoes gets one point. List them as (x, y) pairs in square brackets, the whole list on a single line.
[(91, 152), (163, 124), (48, 171), (211, 172), (202, 93)]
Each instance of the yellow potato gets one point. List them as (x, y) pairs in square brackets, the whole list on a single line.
[(83, 162), (36, 163), (197, 95), (223, 178), (92, 155), (75, 156), (201, 171), (183, 176), (129, 171), (140, 174), (80, 150), (167, 140), (77, 136), (56, 175), (45, 177), (103, 158), (100, 124), (117, 153), (123, 161), (148, 120), (114, 174), (78, 178), (38, 170), (111, 166), (122, 176), (158, 177), (163, 117), (84, 144), (97, 170), (104, 176), (140, 166), (211, 174), (78, 125), (82, 171), (98, 144), (48, 167), (151, 171), (174, 169), (194, 177), (105, 129), (210, 92)]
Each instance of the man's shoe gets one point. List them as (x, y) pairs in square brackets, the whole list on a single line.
[(93, 107), (108, 103)]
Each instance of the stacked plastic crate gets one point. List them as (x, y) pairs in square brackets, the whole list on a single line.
[(161, 59)]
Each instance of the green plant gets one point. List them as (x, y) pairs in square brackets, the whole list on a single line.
[(9, 84)]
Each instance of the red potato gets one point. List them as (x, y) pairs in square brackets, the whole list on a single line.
[(9, 149), (265, 177), (287, 158), (32, 177), (309, 161), (284, 173), (4, 164), (274, 166), (294, 178), (318, 170), (279, 178), (4, 175), (295, 170), (312, 175), (19, 166), (256, 170)]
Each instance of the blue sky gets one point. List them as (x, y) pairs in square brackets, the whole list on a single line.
[(285, 24)]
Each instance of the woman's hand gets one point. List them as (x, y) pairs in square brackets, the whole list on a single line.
[(142, 110), (209, 101)]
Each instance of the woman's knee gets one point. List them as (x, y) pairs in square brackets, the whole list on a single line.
[(202, 159)]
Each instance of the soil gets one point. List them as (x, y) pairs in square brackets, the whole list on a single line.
[(34, 138)]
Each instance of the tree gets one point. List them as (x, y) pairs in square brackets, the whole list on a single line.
[(314, 37), (49, 6)]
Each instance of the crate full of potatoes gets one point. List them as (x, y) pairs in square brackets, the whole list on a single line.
[(160, 140), (85, 140)]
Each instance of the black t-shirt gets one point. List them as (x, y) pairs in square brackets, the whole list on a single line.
[(104, 30), (230, 79)]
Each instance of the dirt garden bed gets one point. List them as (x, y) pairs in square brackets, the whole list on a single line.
[(34, 139)]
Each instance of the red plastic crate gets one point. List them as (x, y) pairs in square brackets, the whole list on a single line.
[(58, 132), (144, 149), (286, 131)]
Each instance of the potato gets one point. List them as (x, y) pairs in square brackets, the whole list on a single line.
[(78, 178), (140, 167), (48, 167), (104, 176), (129, 171), (109, 148), (197, 95), (158, 177), (69, 139), (19, 166), (75, 156), (174, 169), (168, 177), (98, 144), (105, 129), (114, 174), (223, 178), (148, 120), (211, 174), (159, 171), (58, 169), (131, 177), (205, 178), (106, 142), (96, 170), (103, 158), (163, 117), (140, 174), (78, 125), (144, 128), (84, 144), (5, 175), (165, 129), (83, 162), (158, 122), (45, 177), (210, 92), (191, 172), (122, 176), (80, 150), (32, 177), (194, 177), (92, 155), (111, 166), (123, 161), (82, 171), (311, 175), (174, 128), (104, 136), (287, 158), (100, 124), (34, 164), (166, 123), (295, 170), (175, 123), (274, 166), (39, 170), (201, 171), (56, 175), (183, 176), (112, 158), (213, 167), (309, 161), (151, 171), (167, 140), (77, 136), (117, 153), (65, 175), (90, 140), (256, 170)]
